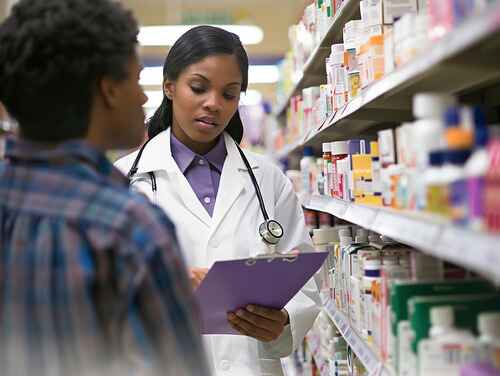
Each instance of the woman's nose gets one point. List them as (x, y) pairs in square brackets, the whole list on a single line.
[(213, 102)]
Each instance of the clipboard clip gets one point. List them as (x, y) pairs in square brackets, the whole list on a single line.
[(275, 255)]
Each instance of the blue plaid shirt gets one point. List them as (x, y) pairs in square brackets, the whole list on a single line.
[(91, 278)]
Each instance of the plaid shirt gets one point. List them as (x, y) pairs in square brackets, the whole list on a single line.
[(91, 278)]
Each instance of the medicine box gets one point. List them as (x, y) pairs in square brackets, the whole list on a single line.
[(466, 308)]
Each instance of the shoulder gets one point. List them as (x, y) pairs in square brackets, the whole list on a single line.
[(265, 163), (130, 216), (124, 164)]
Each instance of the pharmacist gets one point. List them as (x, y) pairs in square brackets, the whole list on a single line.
[(192, 167)]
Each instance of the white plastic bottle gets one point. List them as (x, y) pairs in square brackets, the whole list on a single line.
[(489, 338), (428, 134), (443, 353), (307, 168), (325, 240)]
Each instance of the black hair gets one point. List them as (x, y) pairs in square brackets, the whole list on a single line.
[(53, 53), (192, 47)]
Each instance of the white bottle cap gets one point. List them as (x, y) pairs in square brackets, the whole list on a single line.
[(337, 54), (432, 105), (325, 235), (340, 147), (390, 260), (326, 147), (337, 48), (345, 232), (442, 316), (489, 324), (361, 239), (345, 241), (362, 232)]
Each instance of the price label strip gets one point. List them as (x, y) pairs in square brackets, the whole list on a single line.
[(361, 215)]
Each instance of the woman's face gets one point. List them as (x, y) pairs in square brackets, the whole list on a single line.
[(204, 99)]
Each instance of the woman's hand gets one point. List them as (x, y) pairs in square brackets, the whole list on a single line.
[(196, 275), (264, 324)]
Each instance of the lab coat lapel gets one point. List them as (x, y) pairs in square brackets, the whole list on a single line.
[(181, 186), (232, 182)]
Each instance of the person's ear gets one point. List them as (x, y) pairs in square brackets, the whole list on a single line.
[(169, 89), (110, 91)]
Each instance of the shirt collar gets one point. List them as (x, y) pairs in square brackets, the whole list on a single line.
[(73, 151), (184, 156)]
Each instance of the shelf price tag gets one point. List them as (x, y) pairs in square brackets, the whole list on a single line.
[(390, 225), (337, 207), (361, 215), (363, 352), (449, 245)]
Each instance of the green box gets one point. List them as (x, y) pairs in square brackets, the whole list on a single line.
[(402, 291), (466, 309)]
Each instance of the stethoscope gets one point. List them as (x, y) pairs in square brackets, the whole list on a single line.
[(270, 230)]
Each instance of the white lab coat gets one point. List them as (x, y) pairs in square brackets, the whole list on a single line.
[(232, 233)]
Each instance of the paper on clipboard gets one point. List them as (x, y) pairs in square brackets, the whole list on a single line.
[(268, 282)]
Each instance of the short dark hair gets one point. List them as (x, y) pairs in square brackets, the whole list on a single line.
[(52, 55), (193, 46)]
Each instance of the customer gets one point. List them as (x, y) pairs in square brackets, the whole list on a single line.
[(90, 273)]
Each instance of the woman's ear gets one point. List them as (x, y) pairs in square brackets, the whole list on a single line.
[(168, 89)]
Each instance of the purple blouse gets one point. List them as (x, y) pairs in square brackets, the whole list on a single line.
[(201, 171)]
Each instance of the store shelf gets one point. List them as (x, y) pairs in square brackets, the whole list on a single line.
[(477, 251), (314, 72), (464, 62), (372, 363), (321, 363)]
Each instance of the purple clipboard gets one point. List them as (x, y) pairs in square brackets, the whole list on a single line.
[(269, 282)]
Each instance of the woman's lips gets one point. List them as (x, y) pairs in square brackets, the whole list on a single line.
[(204, 124)]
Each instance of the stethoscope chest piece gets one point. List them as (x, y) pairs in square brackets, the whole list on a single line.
[(271, 231)]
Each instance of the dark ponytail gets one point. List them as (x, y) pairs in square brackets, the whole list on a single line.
[(161, 119), (192, 47)]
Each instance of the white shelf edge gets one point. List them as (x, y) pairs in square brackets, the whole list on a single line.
[(372, 363), (281, 108), (318, 359), (458, 40), (431, 234)]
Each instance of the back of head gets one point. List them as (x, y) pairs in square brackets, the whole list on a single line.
[(52, 55), (192, 47)]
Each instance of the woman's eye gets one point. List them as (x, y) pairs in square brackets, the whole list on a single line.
[(197, 90), (229, 96)]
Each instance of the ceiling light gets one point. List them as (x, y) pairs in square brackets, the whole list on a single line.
[(263, 74), (257, 74), (155, 97), (168, 34)]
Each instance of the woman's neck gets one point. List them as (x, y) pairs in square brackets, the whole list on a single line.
[(200, 148)]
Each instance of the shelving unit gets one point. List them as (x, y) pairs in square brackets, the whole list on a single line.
[(434, 235), (372, 363), (321, 363), (464, 62), (314, 72)]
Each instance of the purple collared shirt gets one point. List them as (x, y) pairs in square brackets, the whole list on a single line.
[(201, 171)]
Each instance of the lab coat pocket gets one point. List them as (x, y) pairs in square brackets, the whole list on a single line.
[(270, 367)]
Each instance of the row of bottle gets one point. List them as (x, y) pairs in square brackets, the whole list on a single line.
[(304, 38), (446, 163), (325, 352), (386, 290), (390, 34)]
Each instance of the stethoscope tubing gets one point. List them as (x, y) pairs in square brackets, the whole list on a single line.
[(135, 167)]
